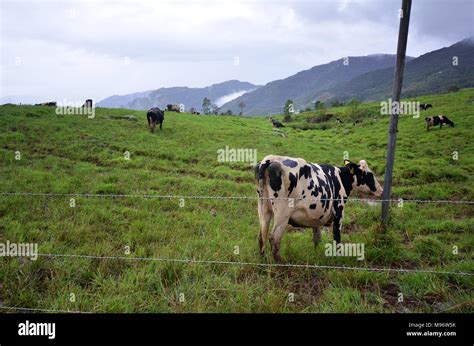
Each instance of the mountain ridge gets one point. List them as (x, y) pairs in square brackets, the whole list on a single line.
[(367, 78), (432, 72), (188, 96)]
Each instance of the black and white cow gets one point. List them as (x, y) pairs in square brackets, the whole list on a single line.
[(155, 115), (302, 194), (438, 120), (425, 106), (276, 123)]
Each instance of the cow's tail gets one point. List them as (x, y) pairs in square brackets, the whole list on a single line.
[(267, 172), (260, 170)]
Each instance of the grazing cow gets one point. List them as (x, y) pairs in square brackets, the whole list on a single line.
[(438, 120), (355, 122), (87, 104), (196, 112), (276, 123), (155, 115), (173, 108), (425, 106), (339, 121), (307, 195)]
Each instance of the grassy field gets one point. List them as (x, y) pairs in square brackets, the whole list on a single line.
[(74, 154)]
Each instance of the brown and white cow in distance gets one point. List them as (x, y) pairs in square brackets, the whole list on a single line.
[(302, 194), (173, 108)]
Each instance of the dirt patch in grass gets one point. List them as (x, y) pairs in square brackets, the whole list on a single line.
[(390, 295), (307, 285)]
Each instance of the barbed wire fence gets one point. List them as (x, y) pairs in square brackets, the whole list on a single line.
[(93, 195), (234, 217)]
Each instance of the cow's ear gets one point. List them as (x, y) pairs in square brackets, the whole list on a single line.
[(351, 166)]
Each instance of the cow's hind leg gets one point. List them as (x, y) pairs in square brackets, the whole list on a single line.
[(336, 229), (265, 217), (316, 236), (280, 222)]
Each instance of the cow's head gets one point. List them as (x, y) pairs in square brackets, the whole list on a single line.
[(364, 179)]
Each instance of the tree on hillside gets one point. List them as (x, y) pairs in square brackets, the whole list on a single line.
[(354, 107), (288, 110), (206, 106), (215, 110), (454, 88), (242, 106), (319, 105), (336, 103)]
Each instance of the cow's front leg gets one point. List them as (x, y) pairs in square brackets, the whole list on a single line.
[(316, 236)]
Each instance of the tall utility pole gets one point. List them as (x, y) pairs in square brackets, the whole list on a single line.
[(397, 88)]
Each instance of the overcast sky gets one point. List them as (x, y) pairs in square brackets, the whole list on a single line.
[(52, 50)]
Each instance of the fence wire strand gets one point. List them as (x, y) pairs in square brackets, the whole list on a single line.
[(99, 195), (256, 264), (44, 310)]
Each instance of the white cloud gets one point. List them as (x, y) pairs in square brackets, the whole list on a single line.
[(226, 98), (77, 49)]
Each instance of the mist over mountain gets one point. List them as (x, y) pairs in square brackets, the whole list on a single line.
[(190, 97)]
